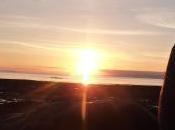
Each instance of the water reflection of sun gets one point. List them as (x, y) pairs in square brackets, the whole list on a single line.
[(88, 64)]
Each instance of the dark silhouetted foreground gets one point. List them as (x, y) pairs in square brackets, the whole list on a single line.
[(34, 105), (167, 98)]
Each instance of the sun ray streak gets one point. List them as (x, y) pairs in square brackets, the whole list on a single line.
[(84, 108)]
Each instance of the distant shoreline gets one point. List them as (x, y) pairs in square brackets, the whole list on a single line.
[(108, 73), (123, 77)]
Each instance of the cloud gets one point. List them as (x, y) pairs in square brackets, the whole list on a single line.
[(158, 17), (32, 23), (25, 44), (43, 44), (112, 31)]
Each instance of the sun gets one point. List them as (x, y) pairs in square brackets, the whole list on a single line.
[(88, 64)]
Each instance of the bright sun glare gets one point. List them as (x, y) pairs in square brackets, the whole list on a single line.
[(88, 65)]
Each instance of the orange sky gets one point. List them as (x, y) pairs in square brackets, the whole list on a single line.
[(48, 35)]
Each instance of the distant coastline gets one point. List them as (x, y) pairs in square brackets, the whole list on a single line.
[(111, 73), (134, 74)]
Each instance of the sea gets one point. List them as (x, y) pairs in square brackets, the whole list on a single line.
[(107, 80)]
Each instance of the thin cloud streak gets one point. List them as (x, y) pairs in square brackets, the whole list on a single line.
[(27, 45), (158, 17), (113, 32), (32, 23), (46, 45)]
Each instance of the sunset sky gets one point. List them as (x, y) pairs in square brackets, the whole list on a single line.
[(48, 35)]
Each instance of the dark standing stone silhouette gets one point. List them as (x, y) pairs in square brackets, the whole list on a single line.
[(167, 97)]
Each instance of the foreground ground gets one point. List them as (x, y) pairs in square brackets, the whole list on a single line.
[(32, 105)]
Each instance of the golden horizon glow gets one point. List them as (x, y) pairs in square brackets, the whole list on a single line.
[(128, 44), (88, 65)]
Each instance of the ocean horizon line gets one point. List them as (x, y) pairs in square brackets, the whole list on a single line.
[(101, 73)]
